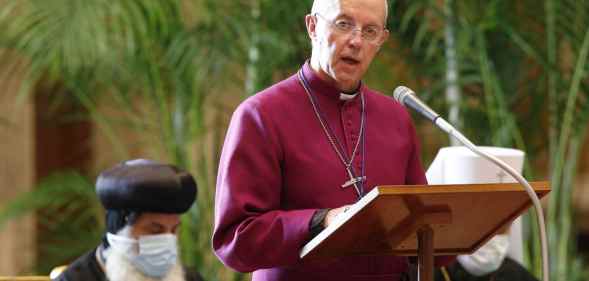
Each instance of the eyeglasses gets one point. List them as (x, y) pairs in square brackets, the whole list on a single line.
[(370, 33)]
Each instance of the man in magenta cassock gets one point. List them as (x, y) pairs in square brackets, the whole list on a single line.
[(300, 151)]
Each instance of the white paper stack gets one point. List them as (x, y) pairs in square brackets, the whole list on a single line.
[(459, 165)]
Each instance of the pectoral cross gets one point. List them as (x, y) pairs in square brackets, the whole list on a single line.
[(354, 181)]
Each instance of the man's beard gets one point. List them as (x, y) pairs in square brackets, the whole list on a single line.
[(119, 268)]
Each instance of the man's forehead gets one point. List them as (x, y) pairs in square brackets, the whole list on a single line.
[(150, 217), (334, 8)]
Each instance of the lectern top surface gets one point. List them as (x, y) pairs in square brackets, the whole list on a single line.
[(385, 220)]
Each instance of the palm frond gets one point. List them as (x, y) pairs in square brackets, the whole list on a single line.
[(68, 211)]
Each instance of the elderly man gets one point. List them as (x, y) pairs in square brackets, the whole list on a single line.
[(298, 153), (143, 201)]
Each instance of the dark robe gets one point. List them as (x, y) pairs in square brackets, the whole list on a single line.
[(278, 168), (87, 268)]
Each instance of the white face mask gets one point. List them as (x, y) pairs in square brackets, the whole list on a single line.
[(154, 255), (488, 258)]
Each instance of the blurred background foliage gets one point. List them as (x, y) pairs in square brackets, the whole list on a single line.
[(169, 73)]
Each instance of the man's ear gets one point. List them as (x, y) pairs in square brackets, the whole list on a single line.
[(384, 37), (311, 23)]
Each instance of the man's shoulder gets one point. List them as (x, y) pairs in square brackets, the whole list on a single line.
[(192, 275), (83, 268), (276, 94)]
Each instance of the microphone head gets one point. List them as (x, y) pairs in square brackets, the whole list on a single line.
[(400, 93)]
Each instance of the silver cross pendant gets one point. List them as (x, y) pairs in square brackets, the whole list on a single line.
[(354, 181)]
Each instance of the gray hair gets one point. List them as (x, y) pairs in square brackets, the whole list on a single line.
[(318, 8)]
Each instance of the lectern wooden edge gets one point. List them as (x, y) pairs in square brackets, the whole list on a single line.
[(422, 221)]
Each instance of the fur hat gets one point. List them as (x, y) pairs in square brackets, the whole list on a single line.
[(146, 186)]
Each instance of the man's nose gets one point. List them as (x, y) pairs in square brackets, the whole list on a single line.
[(355, 38)]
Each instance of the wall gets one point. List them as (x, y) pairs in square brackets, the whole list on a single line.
[(17, 173)]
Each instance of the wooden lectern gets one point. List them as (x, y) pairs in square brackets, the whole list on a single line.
[(423, 221)]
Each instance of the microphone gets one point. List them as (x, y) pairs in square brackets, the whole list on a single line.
[(407, 98)]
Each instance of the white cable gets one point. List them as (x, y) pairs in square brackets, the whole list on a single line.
[(442, 124)]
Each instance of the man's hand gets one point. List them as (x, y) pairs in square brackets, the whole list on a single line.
[(333, 213)]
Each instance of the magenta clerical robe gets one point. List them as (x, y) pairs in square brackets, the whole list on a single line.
[(278, 167)]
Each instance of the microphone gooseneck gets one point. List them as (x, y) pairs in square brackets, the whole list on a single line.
[(407, 98)]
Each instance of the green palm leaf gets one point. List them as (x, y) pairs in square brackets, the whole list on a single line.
[(72, 217)]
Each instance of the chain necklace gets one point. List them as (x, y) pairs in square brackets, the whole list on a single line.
[(356, 181)]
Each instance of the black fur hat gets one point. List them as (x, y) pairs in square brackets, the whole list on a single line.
[(146, 186)]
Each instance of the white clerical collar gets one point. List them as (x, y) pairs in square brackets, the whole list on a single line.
[(344, 96)]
